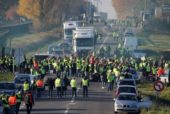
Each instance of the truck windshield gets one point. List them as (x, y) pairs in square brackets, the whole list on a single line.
[(84, 42), (68, 31)]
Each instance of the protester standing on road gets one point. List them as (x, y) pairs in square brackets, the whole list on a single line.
[(65, 83), (50, 86), (12, 100), (26, 86), (58, 87), (73, 84), (85, 84), (29, 102), (39, 86), (5, 104), (19, 99)]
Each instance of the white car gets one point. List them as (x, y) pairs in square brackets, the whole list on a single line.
[(125, 89), (126, 102), (129, 103)]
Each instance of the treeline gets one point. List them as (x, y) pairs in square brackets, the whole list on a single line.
[(133, 7), (45, 13)]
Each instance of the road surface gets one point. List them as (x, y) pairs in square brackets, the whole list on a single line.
[(100, 101)]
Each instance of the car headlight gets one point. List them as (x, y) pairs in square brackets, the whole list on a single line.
[(118, 105)]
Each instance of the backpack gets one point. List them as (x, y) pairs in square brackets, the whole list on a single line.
[(28, 99)]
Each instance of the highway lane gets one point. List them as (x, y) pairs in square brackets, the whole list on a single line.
[(100, 101)]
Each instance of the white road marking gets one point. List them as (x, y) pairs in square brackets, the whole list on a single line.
[(72, 102), (22, 106)]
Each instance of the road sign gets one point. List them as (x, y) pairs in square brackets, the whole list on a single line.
[(158, 86)]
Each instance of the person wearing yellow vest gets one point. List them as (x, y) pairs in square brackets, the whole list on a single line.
[(39, 86), (19, 99), (109, 79), (85, 84), (58, 87), (73, 84), (12, 100), (5, 104), (26, 86)]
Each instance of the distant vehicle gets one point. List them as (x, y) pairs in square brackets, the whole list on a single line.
[(126, 102), (130, 43), (130, 82), (60, 51), (128, 34), (42, 56), (135, 74), (165, 78), (68, 27), (126, 89), (83, 40), (21, 78), (129, 76), (8, 87)]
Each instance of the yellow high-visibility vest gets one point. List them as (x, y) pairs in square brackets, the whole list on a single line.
[(26, 86), (58, 82), (84, 82), (73, 83)]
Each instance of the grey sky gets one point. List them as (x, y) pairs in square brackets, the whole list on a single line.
[(106, 6)]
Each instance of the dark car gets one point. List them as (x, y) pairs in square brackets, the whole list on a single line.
[(8, 87)]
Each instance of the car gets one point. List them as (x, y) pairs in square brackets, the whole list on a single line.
[(134, 73), (8, 88), (126, 102), (21, 78), (125, 89), (131, 82)]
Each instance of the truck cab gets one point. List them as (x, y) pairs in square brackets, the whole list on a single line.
[(83, 41)]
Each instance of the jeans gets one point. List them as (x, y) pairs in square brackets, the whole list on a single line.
[(85, 91), (29, 108)]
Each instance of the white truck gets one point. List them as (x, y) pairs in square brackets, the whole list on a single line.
[(130, 43), (83, 40), (68, 27)]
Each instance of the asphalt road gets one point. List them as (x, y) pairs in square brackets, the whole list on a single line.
[(100, 101)]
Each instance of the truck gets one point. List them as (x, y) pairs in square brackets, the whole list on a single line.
[(68, 27), (130, 43), (83, 40)]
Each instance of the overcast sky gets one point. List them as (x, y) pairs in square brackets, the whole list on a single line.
[(106, 6)]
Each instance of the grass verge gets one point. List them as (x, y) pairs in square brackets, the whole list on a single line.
[(7, 76), (161, 103)]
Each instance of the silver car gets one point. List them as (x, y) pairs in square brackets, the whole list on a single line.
[(126, 102), (21, 78), (125, 89)]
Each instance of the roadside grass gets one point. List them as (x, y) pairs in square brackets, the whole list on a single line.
[(6, 76), (35, 42), (161, 103), (157, 43)]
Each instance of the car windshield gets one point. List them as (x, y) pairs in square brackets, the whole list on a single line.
[(21, 80), (123, 82), (127, 97), (127, 90), (7, 86)]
